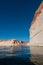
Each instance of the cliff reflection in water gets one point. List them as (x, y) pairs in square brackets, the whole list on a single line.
[(19, 55), (14, 51)]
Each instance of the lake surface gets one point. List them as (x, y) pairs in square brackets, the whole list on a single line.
[(19, 55)]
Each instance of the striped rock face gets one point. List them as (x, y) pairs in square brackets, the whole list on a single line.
[(11, 42), (36, 29)]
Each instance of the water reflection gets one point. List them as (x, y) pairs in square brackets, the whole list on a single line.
[(15, 55)]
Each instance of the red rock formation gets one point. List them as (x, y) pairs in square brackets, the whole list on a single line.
[(38, 11)]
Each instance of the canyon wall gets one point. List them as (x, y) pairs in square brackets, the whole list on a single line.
[(36, 29)]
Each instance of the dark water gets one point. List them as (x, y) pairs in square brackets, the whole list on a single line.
[(19, 55)]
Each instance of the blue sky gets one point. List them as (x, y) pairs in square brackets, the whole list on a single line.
[(16, 17)]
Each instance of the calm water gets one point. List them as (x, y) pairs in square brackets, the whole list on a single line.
[(19, 55)]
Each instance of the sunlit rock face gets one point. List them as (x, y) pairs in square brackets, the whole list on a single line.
[(36, 29), (10, 43), (13, 43)]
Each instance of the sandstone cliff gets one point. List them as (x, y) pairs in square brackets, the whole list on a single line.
[(36, 29)]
